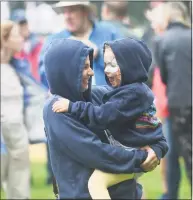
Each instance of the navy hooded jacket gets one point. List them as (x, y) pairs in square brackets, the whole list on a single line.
[(74, 149), (127, 111)]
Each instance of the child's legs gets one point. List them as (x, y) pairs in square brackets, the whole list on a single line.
[(100, 181)]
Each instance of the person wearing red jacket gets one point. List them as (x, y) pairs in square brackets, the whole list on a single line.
[(32, 43)]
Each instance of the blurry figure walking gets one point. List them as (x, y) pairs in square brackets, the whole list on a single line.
[(17, 174), (174, 56), (80, 25), (32, 44)]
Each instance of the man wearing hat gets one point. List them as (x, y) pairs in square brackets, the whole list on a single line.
[(80, 25)]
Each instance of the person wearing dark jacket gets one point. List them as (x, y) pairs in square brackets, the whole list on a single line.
[(173, 56), (114, 14), (75, 150), (129, 105)]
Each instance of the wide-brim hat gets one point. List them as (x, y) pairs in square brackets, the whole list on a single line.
[(58, 6)]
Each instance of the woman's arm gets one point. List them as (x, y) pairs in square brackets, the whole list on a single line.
[(94, 154)]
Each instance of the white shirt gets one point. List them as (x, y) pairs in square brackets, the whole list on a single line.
[(10, 83), (11, 94)]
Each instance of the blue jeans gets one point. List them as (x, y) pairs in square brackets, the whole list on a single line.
[(173, 174)]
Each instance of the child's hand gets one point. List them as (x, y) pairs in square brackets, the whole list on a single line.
[(61, 105)]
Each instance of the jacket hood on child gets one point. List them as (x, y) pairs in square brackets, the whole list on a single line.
[(64, 57), (134, 59)]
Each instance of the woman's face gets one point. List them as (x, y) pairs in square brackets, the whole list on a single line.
[(15, 40), (112, 69), (87, 73)]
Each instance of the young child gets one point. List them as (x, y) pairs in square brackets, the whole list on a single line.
[(129, 105)]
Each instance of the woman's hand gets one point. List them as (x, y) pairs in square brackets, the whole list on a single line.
[(151, 161), (61, 105)]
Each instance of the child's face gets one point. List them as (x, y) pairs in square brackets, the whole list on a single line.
[(112, 69)]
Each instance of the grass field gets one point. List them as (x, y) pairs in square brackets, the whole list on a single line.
[(151, 182)]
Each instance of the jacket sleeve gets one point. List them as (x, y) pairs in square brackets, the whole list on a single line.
[(160, 54), (160, 148), (85, 147), (102, 117)]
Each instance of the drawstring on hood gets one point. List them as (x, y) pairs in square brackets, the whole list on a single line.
[(64, 57), (134, 59)]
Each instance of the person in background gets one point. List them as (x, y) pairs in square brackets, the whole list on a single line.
[(159, 90), (173, 56), (16, 173), (30, 56), (116, 14), (32, 43), (80, 25)]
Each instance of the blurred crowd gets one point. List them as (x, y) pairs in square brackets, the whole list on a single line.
[(24, 88)]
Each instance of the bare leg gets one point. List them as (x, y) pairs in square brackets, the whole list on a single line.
[(100, 181)]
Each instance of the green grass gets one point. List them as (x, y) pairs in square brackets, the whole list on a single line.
[(151, 183), (153, 186), (39, 189)]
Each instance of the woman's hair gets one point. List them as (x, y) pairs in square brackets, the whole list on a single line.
[(177, 12), (6, 27)]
